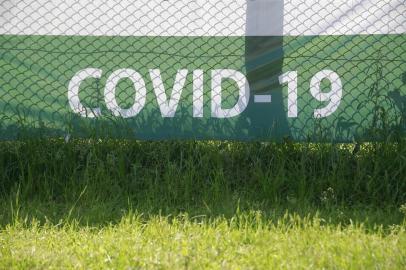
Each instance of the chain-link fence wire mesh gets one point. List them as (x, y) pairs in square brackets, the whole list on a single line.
[(241, 69)]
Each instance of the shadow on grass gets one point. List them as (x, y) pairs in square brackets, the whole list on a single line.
[(98, 215), (97, 182)]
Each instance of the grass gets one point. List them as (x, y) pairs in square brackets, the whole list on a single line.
[(247, 241), (93, 204)]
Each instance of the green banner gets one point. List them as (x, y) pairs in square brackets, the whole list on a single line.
[(323, 88)]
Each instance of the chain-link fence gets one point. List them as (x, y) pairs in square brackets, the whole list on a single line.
[(203, 69)]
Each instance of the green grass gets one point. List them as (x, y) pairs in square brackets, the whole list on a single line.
[(93, 204), (246, 241)]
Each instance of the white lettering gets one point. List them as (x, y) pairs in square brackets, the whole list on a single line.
[(168, 107), (73, 92), (217, 77), (110, 93)]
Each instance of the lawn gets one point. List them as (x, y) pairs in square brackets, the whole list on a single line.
[(106, 204), (245, 241)]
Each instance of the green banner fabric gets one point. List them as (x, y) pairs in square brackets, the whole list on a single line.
[(318, 85)]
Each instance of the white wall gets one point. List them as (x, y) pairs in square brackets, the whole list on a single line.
[(202, 17)]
